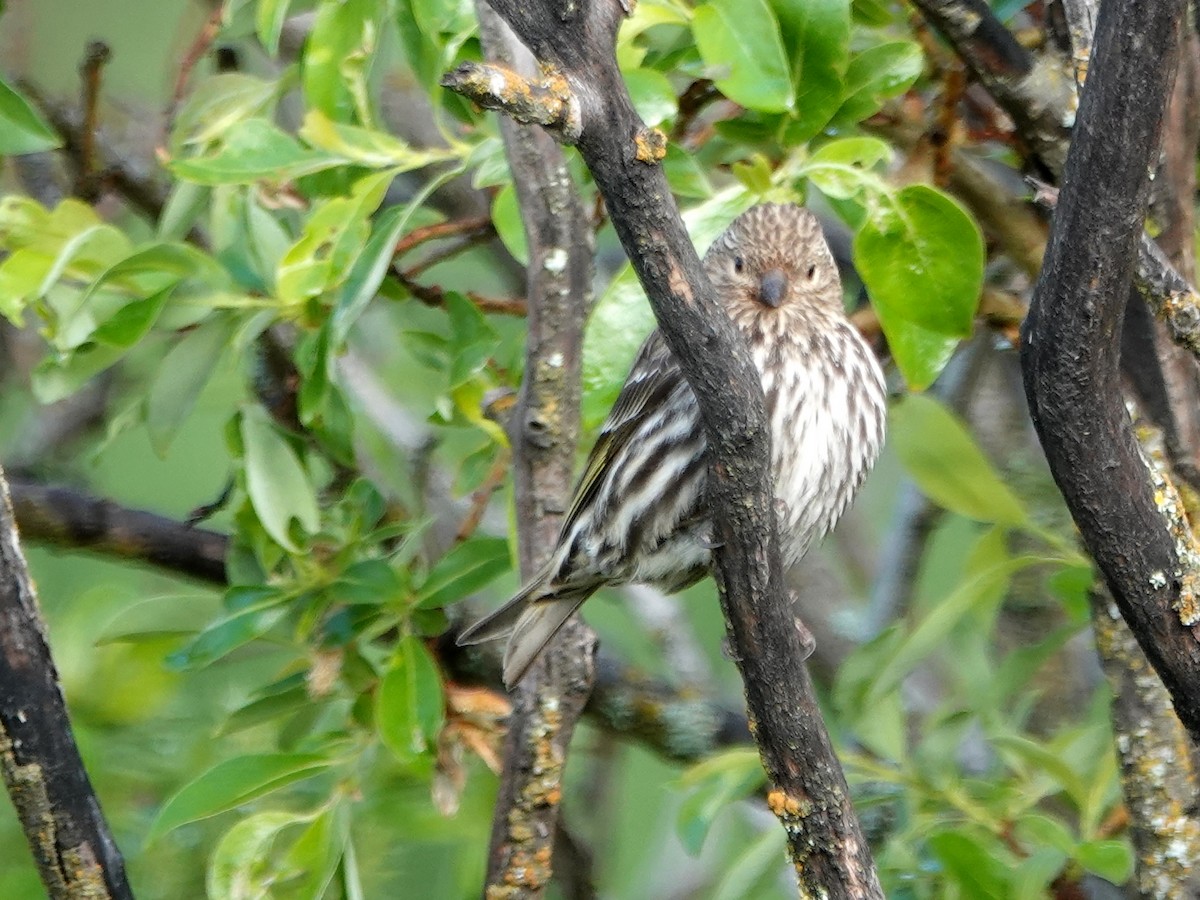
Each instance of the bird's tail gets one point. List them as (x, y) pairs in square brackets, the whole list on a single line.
[(530, 619)]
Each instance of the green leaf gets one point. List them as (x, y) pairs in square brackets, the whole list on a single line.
[(750, 873), (218, 104), (468, 567), (685, 175), (279, 487), (920, 354), (946, 463), (61, 249), (1037, 830), (1024, 752), (1033, 875), (978, 590), (184, 372), (157, 618), (269, 17), (148, 271), (875, 13), (440, 17), (253, 150), (1021, 664), (339, 50), (233, 782), (226, 635), (1111, 860), (333, 237), (266, 709), (841, 168), (506, 216), (373, 263), (921, 257), (57, 377), (22, 128), (185, 203), (973, 865), (473, 339), (367, 582), (367, 146), (410, 706), (816, 37), (740, 44), (874, 75), (652, 95), (712, 785), (239, 867), (311, 863)]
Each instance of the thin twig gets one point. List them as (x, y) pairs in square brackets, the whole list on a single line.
[(196, 51), (433, 295), (448, 252), (482, 497), (90, 70), (442, 230), (136, 185)]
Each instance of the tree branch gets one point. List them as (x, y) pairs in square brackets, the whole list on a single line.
[(1158, 777), (1135, 530), (71, 518), (39, 761), (809, 792), (545, 430)]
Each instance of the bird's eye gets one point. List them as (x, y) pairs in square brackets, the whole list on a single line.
[(739, 264), (812, 272)]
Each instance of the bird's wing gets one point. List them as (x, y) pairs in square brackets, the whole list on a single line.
[(653, 378)]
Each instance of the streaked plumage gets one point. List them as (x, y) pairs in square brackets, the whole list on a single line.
[(639, 511)]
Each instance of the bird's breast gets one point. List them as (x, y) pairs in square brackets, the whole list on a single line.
[(826, 408)]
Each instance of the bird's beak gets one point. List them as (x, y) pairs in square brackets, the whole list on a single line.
[(773, 287)]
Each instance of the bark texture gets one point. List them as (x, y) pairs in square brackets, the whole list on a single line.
[(40, 763)]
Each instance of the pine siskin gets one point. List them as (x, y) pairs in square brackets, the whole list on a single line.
[(639, 513)]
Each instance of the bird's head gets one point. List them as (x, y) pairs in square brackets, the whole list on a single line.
[(773, 261)]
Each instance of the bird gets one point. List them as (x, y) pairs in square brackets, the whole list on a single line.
[(639, 511)]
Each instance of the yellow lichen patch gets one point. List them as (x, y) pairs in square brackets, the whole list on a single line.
[(650, 145), (783, 804), (1189, 599)]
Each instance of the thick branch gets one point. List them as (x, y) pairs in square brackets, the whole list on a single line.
[(1071, 340), (809, 790), (545, 430), (71, 518), (59, 812)]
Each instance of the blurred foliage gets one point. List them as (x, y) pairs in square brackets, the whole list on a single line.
[(295, 736)]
